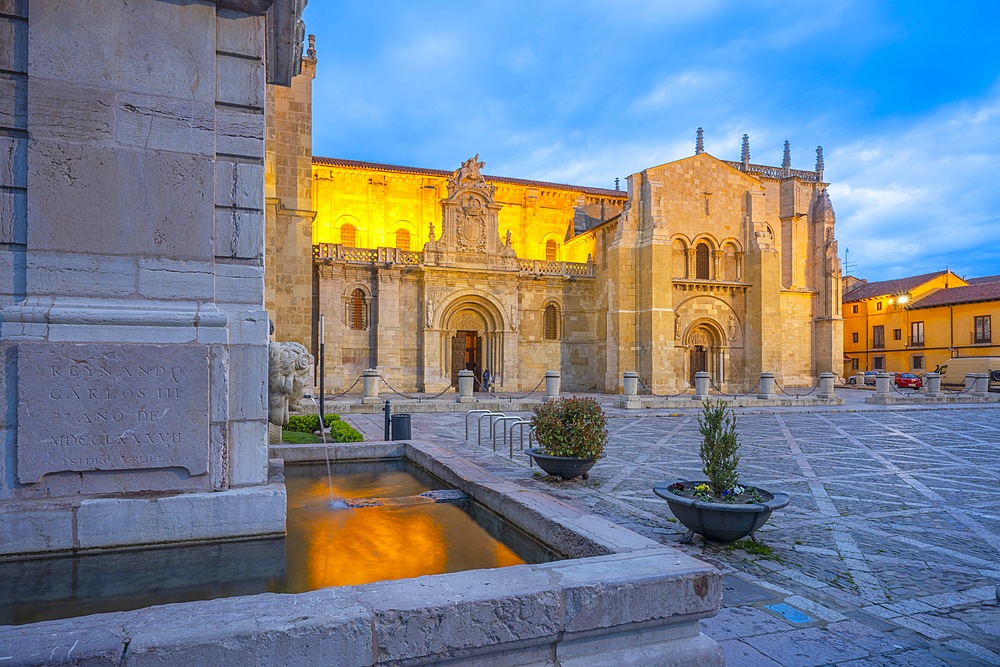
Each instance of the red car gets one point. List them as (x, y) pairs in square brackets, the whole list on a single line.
[(907, 380)]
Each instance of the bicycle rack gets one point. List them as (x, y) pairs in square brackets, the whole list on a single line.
[(504, 420), (479, 427), (469, 414), (520, 426)]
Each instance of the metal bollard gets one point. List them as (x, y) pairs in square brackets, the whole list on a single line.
[(826, 386), (552, 385), (766, 386), (883, 382), (701, 381), (387, 409)]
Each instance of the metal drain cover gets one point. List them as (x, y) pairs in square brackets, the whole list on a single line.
[(737, 591), (789, 613)]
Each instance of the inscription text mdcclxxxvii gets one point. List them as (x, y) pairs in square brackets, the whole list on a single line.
[(85, 407)]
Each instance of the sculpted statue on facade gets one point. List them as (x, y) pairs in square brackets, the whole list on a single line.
[(289, 366), (430, 314)]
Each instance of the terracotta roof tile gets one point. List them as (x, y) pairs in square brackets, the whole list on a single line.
[(885, 287), (338, 162), (953, 295), (983, 279)]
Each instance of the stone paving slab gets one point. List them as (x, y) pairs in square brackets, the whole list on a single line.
[(891, 542)]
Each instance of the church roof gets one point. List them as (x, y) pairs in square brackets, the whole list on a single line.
[(966, 294), (883, 287), (983, 279), (339, 162)]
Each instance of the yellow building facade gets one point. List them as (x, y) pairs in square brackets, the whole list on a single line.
[(701, 264), (915, 324)]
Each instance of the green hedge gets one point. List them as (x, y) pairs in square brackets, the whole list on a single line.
[(340, 431)]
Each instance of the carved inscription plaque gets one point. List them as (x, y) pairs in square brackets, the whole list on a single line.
[(86, 407)]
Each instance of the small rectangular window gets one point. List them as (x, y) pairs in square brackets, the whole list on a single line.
[(854, 364), (878, 306), (854, 309), (878, 336), (916, 333), (897, 334), (878, 363), (917, 362), (854, 337), (983, 333)]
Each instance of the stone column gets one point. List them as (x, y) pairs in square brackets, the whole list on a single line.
[(883, 383), (466, 381), (826, 391), (932, 384), (980, 384), (370, 379), (766, 386), (552, 385), (701, 381)]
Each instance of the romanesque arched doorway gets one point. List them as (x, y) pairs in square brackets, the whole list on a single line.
[(705, 351), (474, 339)]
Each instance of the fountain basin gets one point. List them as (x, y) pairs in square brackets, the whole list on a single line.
[(620, 598)]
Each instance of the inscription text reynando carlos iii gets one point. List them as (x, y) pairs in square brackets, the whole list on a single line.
[(85, 407)]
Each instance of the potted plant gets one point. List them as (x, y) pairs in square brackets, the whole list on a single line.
[(571, 433), (720, 508)]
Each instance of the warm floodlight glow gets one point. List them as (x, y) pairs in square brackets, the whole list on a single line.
[(902, 299)]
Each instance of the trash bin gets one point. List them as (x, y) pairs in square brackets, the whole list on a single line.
[(401, 426)]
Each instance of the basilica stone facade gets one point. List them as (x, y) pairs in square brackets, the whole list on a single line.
[(702, 264)]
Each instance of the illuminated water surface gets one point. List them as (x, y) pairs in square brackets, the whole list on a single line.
[(327, 544)]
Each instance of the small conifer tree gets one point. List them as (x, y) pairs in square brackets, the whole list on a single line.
[(719, 445)]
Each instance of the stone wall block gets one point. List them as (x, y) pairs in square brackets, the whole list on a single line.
[(41, 529), (165, 279), (14, 8), (239, 233), (239, 132), (70, 112), (328, 629), (240, 34), (14, 103), (248, 457), (465, 610), (164, 124), (14, 37), (248, 399), (240, 81), (13, 216), (248, 328), (98, 200), (107, 522), (238, 284), (81, 275), (239, 185), (13, 162), (158, 49)]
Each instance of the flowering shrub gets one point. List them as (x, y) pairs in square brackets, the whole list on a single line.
[(734, 496), (574, 427)]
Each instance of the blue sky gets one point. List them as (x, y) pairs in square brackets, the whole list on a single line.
[(904, 97)]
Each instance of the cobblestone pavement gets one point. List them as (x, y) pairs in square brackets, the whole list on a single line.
[(888, 553)]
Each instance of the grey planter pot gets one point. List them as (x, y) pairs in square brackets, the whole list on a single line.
[(720, 522), (561, 467)]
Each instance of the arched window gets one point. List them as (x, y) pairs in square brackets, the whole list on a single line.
[(679, 258), (550, 251), (348, 236), (551, 322), (403, 239), (358, 310), (701, 261)]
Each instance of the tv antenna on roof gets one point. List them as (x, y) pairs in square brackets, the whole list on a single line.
[(848, 264)]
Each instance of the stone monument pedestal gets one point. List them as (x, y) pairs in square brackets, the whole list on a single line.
[(133, 336)]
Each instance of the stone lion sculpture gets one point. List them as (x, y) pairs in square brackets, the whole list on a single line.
[(289, 370)]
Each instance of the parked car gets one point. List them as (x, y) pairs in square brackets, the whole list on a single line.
[(907, 380), (869, 378)]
